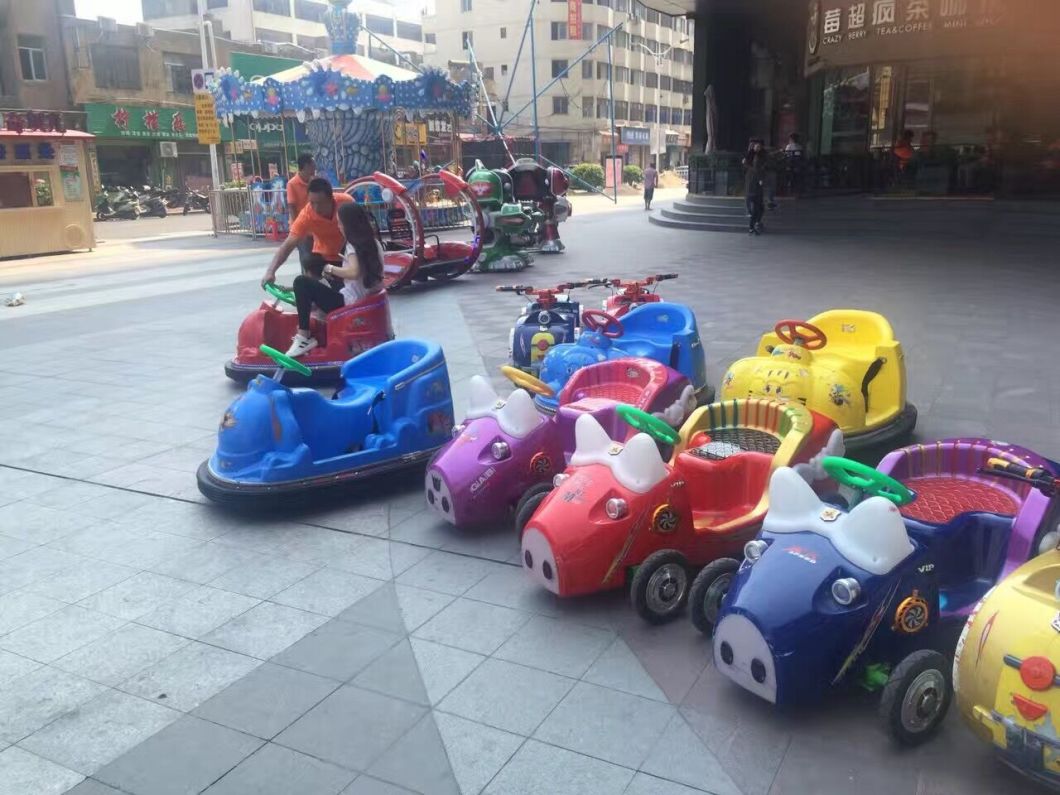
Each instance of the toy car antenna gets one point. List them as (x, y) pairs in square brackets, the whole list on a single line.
[(1042, 479)]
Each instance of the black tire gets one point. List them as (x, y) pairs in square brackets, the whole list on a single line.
[(524, 509), (1048, 535), (659, 589), (707, 591), (917, 696)]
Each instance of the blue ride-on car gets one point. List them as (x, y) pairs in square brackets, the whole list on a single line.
[(661, 331), (394, 409)]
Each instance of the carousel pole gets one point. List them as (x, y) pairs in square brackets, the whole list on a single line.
[(533, 80), (215, 175)]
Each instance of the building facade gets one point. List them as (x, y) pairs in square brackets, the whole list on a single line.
[(651, 62), (32, 70), (297, 22)]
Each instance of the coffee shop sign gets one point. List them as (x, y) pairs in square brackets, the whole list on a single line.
[(853, 21)]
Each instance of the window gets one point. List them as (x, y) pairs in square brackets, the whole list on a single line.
[(651, 80), (467, 41), (313, 12), (154, 9), (559, 67), (31, 57), (559, 31), (504, 33), (666, 21), (587, 69), (664, 82), (664, 115), (604, 3), (636, 112), (675, 115), (688, 118), (178, 71), (216, 4), (410, 31), (636, 42), (116, 67), (601, 31), (487, 73), (603, 109), (279, 7), (621, 110), (587, 31), (465, 5), (430, 38), (381, 26), (636, 77), (588, 106), (275, 36), (621, 5), (504, 69), (652, 16), (649, 113), (603, 71), (621, 39), (621, 74), (560, 106)]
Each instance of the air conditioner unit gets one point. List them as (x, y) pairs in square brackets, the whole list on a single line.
[(144, 31), (167, 149), (108, 24)]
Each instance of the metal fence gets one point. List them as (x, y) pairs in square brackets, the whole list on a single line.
[(248, 211)]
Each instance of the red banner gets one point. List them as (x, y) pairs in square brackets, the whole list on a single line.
[(574, 19)]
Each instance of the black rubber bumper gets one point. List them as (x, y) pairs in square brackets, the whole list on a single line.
[(322, 375), (901, 427)]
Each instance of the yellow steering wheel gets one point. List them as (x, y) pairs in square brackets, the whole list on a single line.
[(526, 381)]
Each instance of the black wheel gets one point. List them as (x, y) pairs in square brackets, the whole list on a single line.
[(708, 589), (1046, 539), (660, 587), (917, 696), (533, 497)]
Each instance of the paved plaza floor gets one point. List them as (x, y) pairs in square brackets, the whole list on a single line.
[(153, 644)]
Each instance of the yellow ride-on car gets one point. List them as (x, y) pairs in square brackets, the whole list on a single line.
[(843, 363)]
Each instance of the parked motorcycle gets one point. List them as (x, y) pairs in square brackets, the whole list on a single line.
[(118, 203), (151, 202), (194, 200)]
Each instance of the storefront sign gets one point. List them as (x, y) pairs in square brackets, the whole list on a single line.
[(855, 32), (209, 126), (137, 121), (29, 152), (636, 136), (68, 156), (574, 19)]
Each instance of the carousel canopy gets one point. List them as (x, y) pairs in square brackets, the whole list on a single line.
[(343, 81)]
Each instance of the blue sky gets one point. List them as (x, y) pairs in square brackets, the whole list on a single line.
[(126, 11)]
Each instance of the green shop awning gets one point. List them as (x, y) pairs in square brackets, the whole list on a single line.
[(144, 122)]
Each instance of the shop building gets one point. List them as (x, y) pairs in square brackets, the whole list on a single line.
[(32, 69)]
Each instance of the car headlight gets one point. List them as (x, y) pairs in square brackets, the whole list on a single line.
[(753, 550), (846, 591), (457, 430), (557, 480), (615, 508), (543, 318), (500, 450)]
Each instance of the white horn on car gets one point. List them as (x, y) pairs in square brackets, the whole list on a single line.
[(791, 500), (639, 466), (590, 440), (518, 416), (483, 398), (873, 536)]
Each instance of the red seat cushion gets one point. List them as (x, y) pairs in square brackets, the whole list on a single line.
[(939, 498)]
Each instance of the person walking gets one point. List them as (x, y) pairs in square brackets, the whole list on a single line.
[(651, 181), (298, 198), (754, 186)]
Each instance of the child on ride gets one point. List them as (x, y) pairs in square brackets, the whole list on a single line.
[(361, 273)]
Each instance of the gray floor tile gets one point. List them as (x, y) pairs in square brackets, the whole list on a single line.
[(274, 770), (23, 773), (606, 724), (474, 626), (266, 701), (447, 573), (442, 667), (512, 589), (35, 565), (19, 608), (12, 666), (380, 559), (83, 581), (680, 756), (35, 523), (429, 773), (60, 633), (380, 609), (10, 546), (204, 563), (643, 784), (561, 647), (190, 676), (366, 785), (351, 727), (419, 605), (538, 769), (121, 654), (92, 787), (186, 756), (264, 576), (265, 630), (619, 669), (338, 649), (370, 519), (395, 673), (318, 545), (507, 696), (327, 591), (99, 731), (137, 595), (197, 612), (476, 752), (38, 698)]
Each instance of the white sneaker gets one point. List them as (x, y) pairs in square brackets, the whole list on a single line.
[(319, 315), (301, 345)]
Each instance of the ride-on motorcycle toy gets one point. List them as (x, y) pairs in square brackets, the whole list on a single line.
[(347, 332), (1007, 659), (620, 514), (829, 594), (844, 363), (506, 452), (393, 410), (550, 317), (661, 331), (627, 294)]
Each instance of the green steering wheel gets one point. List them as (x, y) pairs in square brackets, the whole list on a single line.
[(866, 479), (285, 361), (280, 293), (643, 421)]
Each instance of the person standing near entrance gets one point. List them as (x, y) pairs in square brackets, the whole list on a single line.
[(651, 180), (298, 198), (754, 185)]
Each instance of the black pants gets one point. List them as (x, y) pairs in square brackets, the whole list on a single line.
[(756, 208), (308, 291), (305, 251), (648, 194)]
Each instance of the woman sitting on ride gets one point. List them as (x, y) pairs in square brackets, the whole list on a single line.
[(360, 274)]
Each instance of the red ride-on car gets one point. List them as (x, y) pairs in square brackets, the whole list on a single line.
[(627, 294), (621, 515), (348, 331)]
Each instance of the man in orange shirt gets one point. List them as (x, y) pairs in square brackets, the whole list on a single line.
[(298, 197), (318, 222)]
